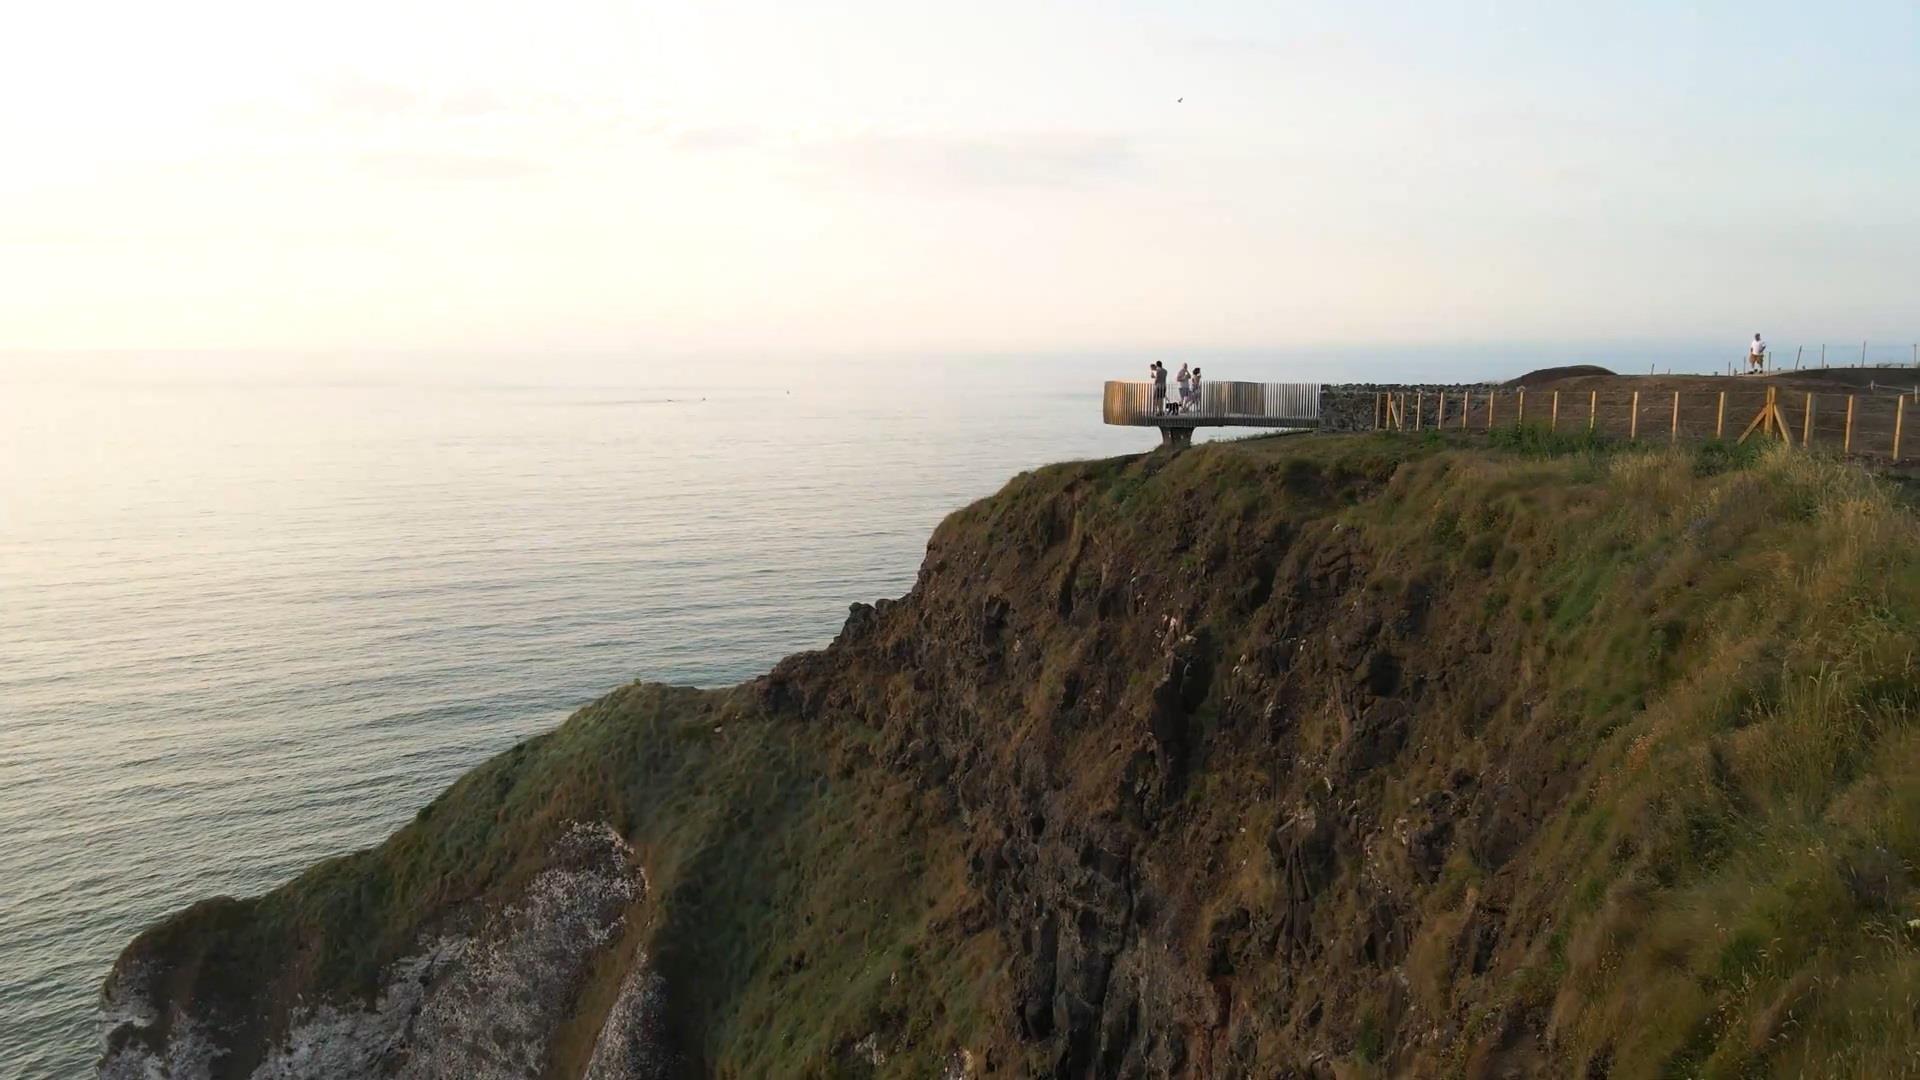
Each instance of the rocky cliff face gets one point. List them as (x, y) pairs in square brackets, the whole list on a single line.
[(482, 999), (1183, 740), (1309, 758)]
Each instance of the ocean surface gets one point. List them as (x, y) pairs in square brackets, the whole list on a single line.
[(255, 611)]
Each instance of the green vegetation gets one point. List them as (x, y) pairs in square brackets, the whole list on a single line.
[(1725, 636), (1731, 643), (1659, 739), (1536, 441)]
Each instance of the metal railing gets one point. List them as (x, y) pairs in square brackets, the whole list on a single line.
[(1223, 404)]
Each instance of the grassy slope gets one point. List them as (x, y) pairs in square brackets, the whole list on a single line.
[(1725, 648), (760, 840), (1730, 639)]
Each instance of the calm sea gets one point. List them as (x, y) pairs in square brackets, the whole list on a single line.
[(255, 611)]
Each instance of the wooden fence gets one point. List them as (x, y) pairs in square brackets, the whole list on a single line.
[(1871, 423)]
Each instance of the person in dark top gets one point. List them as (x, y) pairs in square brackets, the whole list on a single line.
[(1159, 371)]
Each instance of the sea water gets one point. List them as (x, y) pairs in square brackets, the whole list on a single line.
[(256, 610)]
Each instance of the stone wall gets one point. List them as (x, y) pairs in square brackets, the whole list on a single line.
[(1350, 406)]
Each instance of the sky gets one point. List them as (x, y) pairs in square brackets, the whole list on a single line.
[(597, 176)]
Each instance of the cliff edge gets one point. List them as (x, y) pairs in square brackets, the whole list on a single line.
[(1329, 757)]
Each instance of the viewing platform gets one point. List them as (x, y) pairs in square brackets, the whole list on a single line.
[(1294, 406)]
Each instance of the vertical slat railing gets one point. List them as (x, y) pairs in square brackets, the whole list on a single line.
[(1128, 403), (1132, 402)]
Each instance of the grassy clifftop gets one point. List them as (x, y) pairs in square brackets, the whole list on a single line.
[(1346, 756)]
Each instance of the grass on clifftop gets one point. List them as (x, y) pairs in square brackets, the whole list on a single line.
[(1729, 634), (1744, 858)]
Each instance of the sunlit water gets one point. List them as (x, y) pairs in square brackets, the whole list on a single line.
[(253, 614)]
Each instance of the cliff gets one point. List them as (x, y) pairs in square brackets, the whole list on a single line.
[(1315, 757)]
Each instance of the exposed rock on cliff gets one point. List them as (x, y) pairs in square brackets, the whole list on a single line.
[(479, 1001)]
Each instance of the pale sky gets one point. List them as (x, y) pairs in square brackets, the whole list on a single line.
[(892, 175)]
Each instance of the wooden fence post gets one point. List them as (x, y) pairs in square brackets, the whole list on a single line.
[(1846, 443), (1720, 416), (1769, 419), (1403, 410), (1674, 435), (1466, 409), (1440, 420), (1490, 395), (1379, 403), (1633, 426), (1899, 415), (1806, 425), (1593, 407), (1419, 408), (1553, 419), (1520, 417)]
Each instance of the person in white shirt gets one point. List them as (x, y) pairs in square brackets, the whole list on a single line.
[(1757, 355)]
